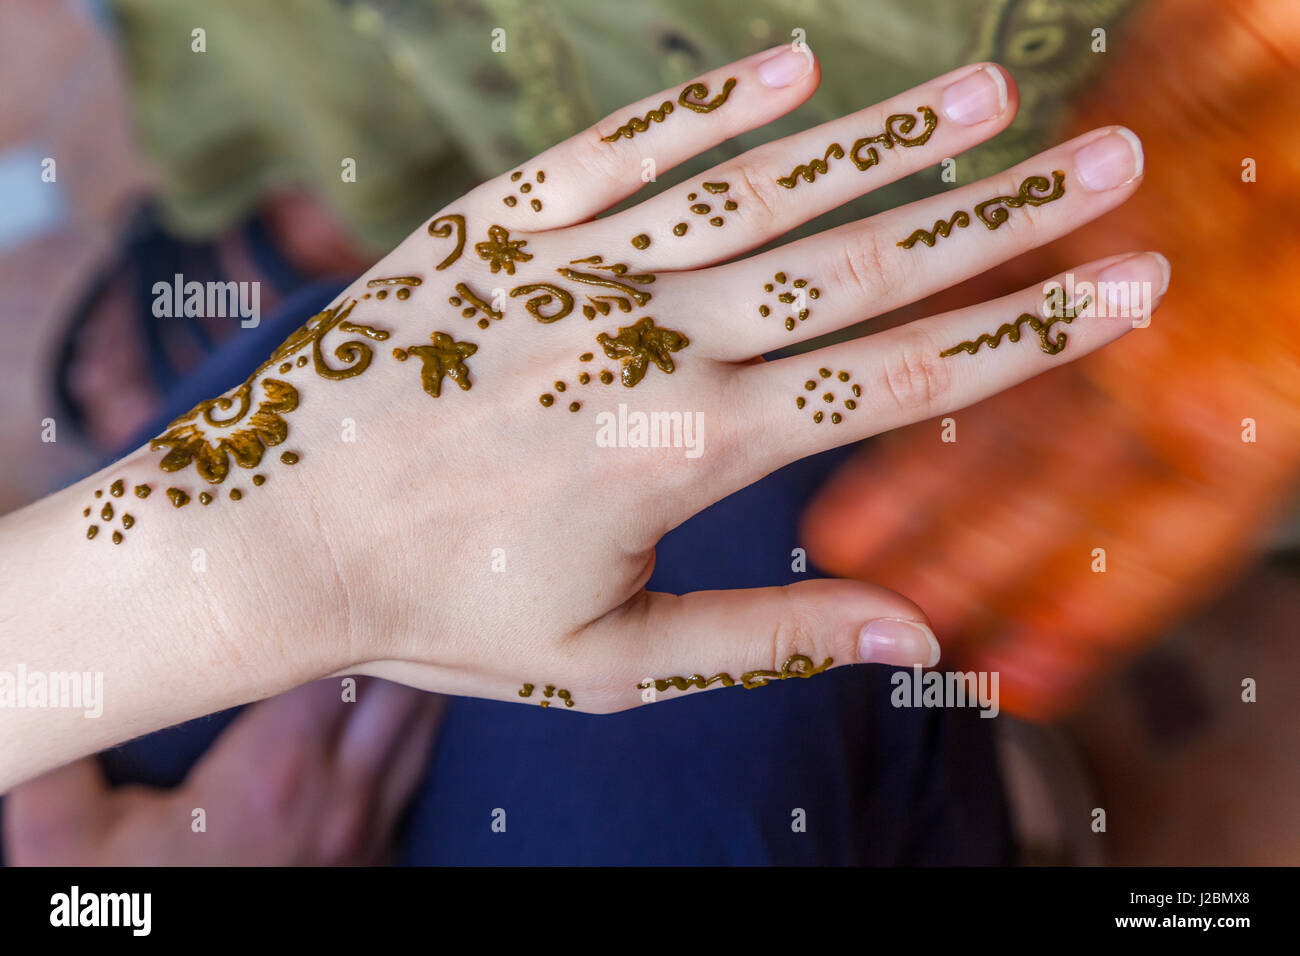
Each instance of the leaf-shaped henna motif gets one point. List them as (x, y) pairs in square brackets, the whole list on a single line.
[(640, 345)]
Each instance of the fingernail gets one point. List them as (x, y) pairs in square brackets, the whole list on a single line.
[(1127, 286), (785, 68), (975, 98), (1113, 160), (895, 641), (1166, 272)]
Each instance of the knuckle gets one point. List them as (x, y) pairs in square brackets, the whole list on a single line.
[(795, 632), (750, 187), (600, 159), (861, 268), (914, 378)]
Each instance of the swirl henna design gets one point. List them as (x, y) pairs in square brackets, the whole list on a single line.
[(542, 294), (1026, 196), (828, 397), (897, 128), (1011, 331), (441, 228), (942, 229), (810, 170), (891, 137), (1034, 191), (245, 423), (798, 665), (638, 125), (692, 97)]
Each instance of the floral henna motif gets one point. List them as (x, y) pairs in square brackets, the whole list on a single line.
[(445, 357), (849, 395), (797, 300), (217, 430), (188, 441), (502, 252), (639, 345)]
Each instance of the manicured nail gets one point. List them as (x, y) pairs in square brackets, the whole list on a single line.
[(1132, 286), (1166, 272), (898, 642), (786, 68), (975, 98), (1113, 160)]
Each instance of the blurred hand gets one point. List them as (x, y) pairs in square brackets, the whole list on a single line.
[(302, 779)]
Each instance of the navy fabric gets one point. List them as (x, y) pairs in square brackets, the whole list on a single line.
[(714, 778)]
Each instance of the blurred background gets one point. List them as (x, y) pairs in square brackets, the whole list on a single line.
[(1121, 688)]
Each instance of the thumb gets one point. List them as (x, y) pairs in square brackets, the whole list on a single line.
[(56, 812), (751, 638)]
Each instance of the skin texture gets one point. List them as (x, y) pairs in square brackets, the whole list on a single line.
[(470, 539)]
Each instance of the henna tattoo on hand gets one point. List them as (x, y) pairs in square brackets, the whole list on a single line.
[(107, 513), (1034, 191), (799, 665), (942, 229), (547, 693), (638, 125), (897, 128), (798, 299), (1028, 195), (810, 170), (542, 294), (849, 403), (403, 281), (640, 345), (1011, 331), (444, 226), (476, 304), (692, 97), (699, 208), (525, 188), (619, 279), (502, 252), (445, 357), (703, 208), (187, 438)]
